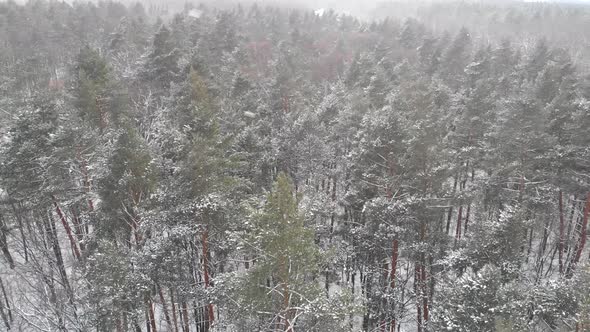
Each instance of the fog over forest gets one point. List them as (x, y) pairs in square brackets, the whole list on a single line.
[(294, 166)]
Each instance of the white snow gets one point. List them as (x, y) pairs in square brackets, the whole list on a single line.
[(195, 13)]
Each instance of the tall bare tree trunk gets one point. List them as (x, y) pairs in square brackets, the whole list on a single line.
[(424, 291), (583, 234), (164, 307), (286, 294), (51, 241), (62, 217), (458, 230), (205, 240), (450, 214), (174, 315), (467, 215), (54, 242), (5, 317), (151, 315), (418, 291), (186, 327), (119, 324), (19, 219), (87, 183), (394, 257), (4, 243), (148, 326), (561, 232), (5, 297), (78, 229)]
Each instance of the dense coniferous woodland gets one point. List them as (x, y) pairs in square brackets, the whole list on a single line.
[(259, 168)]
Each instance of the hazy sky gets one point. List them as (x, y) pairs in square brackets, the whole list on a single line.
[(321, 3), (355, 7)]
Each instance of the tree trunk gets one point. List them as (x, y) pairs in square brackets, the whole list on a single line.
[(574, 225), (135, 227), (5, 297), (583, 234), (568, 235), (551, 261), (286, 294), (151, 315), (394, 257), (79, 230), (67, 228), (4, 243), (119, 324), (4, 315), (174, 315), (87, 184), (458, 230), (164, 307), (185, 317), (530, 247), (467, 215), (540, 261), (450, 215), (205, 239), (422, 276), (125, 321), (576, 229), (148, 326), (417, 291), (200, 316), (18, 215), (424, 290), (561, 231), (53, 241)]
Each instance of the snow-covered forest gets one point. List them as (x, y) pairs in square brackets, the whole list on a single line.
[(266, 168)]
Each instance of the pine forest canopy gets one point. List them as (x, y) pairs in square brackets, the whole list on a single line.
[(252, 167)]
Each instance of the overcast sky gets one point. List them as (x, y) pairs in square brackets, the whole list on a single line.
[(324, 3), (355, 7)]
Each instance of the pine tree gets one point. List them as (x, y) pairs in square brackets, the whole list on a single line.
[(281, 280), (161, 66)]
